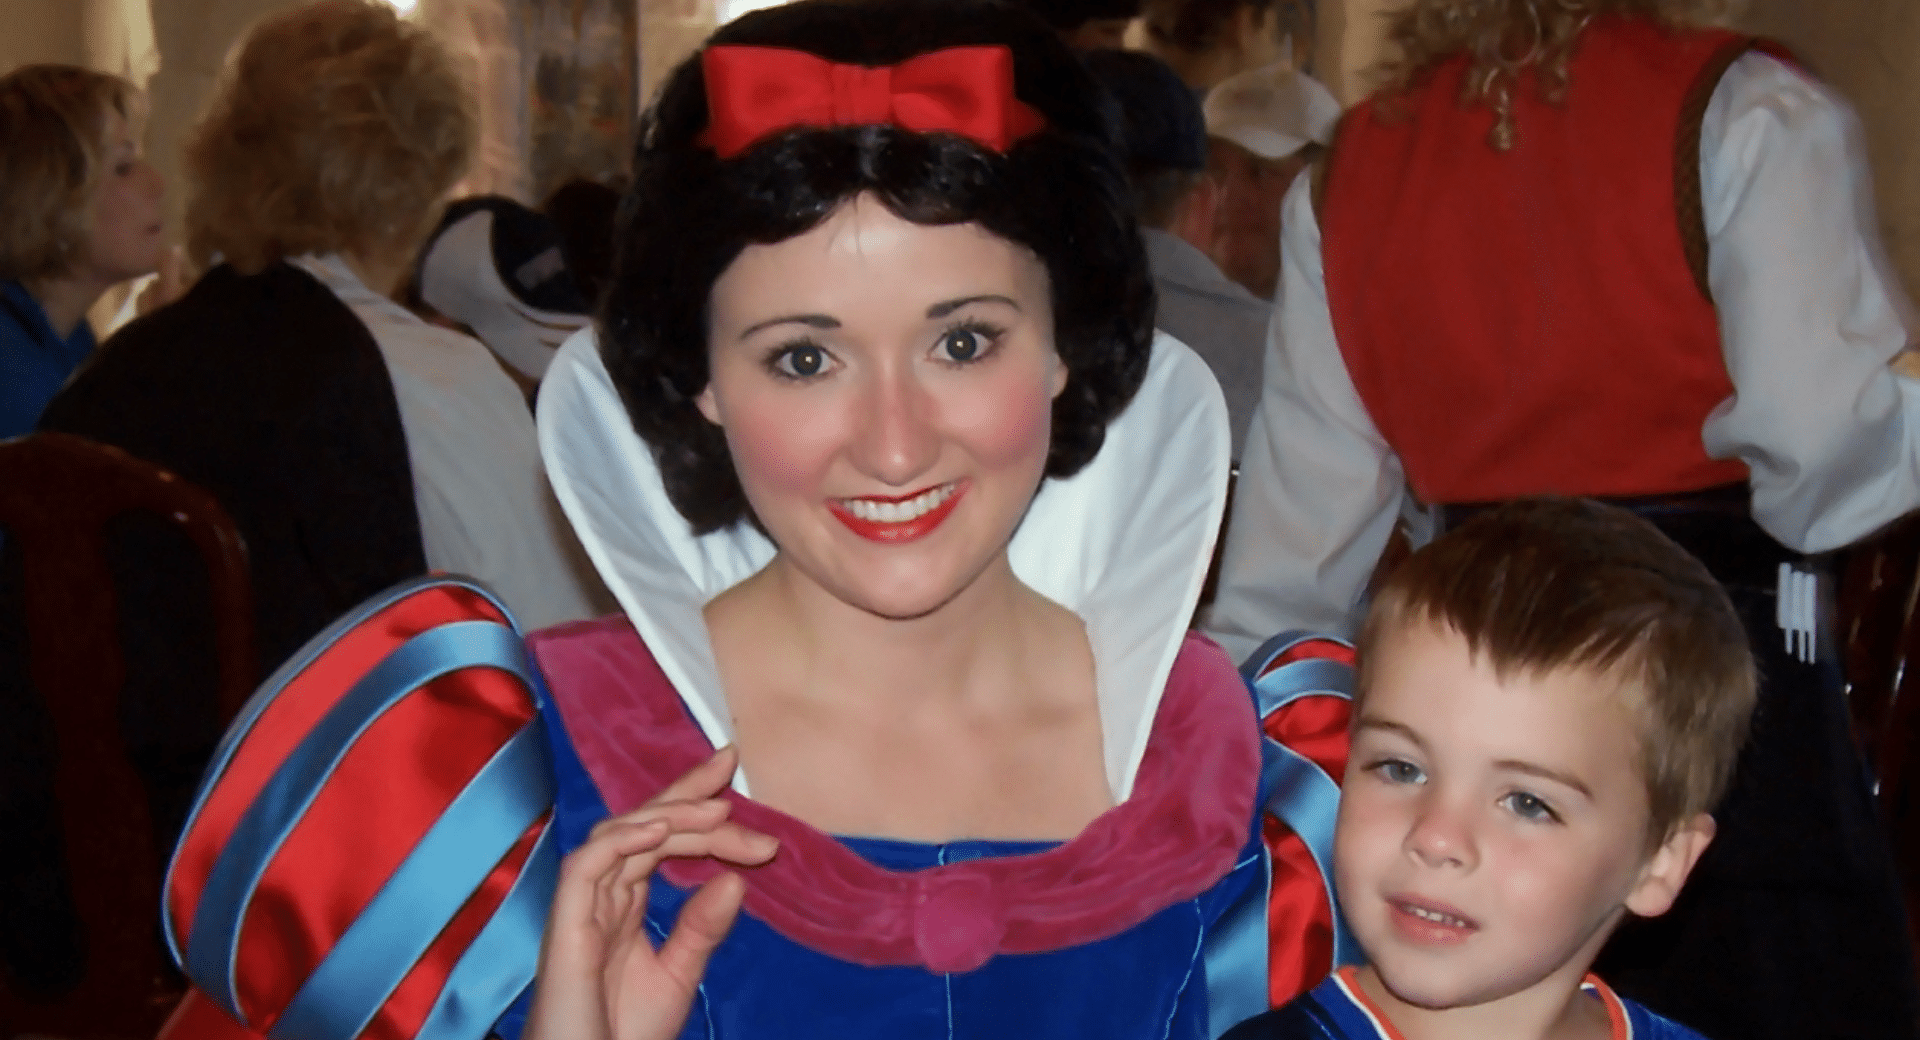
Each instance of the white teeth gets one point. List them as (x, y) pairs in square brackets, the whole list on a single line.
[(1435, 916), (898, 512)]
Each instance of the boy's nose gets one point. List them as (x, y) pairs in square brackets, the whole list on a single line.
[(1441, 836), (895, 440)]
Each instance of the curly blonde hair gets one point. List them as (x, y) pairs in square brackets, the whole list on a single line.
[(338, 127), (1504, 38), (53, 119)]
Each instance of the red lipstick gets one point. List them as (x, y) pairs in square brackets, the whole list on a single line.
[(894, 533)]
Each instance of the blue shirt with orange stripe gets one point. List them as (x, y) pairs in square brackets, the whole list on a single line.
[(1338, 1010)]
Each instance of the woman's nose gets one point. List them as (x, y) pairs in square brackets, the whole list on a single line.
[(896, 440)]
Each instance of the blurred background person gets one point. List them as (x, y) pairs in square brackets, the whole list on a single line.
[(355, 443), (1265, 125), (499, 269), (79, 213), (584, 211), (1165, 149), (1086, 24), (1206, 41)]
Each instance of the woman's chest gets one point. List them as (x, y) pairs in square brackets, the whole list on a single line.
[(1041, 780), (1145, 982)]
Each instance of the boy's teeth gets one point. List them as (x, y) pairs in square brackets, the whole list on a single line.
[(1435, 916)]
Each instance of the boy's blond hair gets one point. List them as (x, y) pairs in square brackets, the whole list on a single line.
[(1543, 584)]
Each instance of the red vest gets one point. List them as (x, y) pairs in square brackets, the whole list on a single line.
[(1528, 321)]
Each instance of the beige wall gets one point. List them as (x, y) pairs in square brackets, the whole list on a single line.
[(1869, 50), (41, 31), (1352, 36)]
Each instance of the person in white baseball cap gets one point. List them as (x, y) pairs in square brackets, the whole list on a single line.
[(496, 267), (1265, 125)]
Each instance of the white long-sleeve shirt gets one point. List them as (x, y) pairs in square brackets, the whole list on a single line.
[(1810, 315), (479, 486)]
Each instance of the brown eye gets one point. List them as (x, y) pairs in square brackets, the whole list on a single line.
[(803, 361), (961, 344)]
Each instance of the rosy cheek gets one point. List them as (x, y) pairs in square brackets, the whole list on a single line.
[(1006, 428), (782, 446)]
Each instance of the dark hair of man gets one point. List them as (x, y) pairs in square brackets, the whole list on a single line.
[(1159, 192), (1194, 25), (1067, 15), (1058, 192)]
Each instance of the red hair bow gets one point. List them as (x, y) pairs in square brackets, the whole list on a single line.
[(756, 91)]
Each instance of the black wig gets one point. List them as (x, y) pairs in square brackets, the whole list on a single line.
[(1058, 192)]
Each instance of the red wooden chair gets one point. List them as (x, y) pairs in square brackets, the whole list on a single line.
[(1876, 593), (1881, 637), (57, 494)]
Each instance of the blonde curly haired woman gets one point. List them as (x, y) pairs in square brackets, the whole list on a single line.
[(355, 444), (1594, 247), (79, 213)]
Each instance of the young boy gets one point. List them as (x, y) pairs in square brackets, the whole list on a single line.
[(1550, 699)]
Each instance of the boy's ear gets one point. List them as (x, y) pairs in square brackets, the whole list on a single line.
[(1667, 869)]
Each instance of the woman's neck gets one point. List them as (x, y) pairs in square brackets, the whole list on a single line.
[(924, 729), (381, 271), (66, 301), (950, 656)]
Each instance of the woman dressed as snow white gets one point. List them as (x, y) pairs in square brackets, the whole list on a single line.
[(982, 781), (907, 512)]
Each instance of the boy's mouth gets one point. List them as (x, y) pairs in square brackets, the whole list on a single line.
[(1428, 922)]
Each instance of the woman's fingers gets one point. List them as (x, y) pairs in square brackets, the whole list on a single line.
[(704, 921), (626, 835), (584, 872), (705, 780), (701, 814)]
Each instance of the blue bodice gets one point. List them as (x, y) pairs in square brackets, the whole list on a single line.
[(1149, 981)]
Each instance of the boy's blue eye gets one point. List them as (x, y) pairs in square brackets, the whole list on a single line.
[(1396, 771), (1530, 807)]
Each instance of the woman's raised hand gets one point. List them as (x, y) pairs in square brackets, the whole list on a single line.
[(600, 976)]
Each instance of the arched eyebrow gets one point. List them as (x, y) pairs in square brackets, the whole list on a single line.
[(823, 322), (827, 322), (941, 310)]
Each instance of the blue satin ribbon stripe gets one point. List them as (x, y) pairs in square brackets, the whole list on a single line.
[(1305, 798), (481, 826), (1236, 953), (270, 689), (1296, 790), (212, 948), (500, 964)]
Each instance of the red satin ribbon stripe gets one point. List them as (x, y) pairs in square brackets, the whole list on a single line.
[(386, 792), (753, 92), (1299, 919)]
